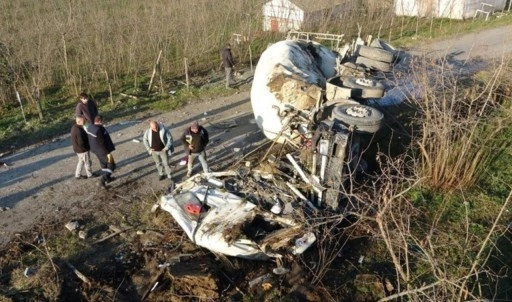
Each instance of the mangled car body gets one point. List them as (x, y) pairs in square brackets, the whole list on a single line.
[(225, 223)]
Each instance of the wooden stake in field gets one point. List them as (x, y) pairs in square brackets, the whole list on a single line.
[(250, 56), (185, 61), (155, 68), (109, 88), (21, 105)]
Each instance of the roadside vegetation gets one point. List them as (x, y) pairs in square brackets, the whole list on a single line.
[(431, 225)]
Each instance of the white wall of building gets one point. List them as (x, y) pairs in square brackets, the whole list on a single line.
[(283, 12), (454, 9)]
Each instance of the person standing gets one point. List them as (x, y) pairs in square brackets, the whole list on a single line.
[(101, 144), (158, 142), (81, 147), (195, 138), (86, 108), (228, 63)]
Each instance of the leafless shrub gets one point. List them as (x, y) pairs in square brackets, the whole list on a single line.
[(423, 256), (460, 125)]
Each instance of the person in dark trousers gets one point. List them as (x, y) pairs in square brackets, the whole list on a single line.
[(102, 145), (228, 63), (195, 138), (158, 142), (80, 143), (86, 108)]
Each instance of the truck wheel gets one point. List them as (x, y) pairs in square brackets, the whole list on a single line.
[(379, 43), (377, 54), (364, 88), (363, 118), (373, 64)]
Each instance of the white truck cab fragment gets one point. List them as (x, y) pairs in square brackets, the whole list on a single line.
[(227, 224), (289, 74)]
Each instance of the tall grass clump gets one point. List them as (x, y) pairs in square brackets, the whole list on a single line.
[(462, 124)]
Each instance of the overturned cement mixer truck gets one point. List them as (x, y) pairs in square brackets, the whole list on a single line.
[(300, 98)]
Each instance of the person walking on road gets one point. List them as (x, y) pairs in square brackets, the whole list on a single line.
[(195, 138), (228, 63), (81, 147), (158, 142), (102, 145), (86, 108)]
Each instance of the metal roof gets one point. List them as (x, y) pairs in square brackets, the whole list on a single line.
[(311, 5)]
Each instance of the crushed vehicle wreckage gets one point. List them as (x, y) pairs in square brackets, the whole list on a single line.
[(303, 100), (227, 223)]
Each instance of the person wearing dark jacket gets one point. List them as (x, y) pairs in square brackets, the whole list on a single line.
[(228, 63), (101, 144), (195, 138), (86, 108), (81, 147)]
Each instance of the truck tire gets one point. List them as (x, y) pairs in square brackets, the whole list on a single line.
[(373, 64), (363, 118), (364, 88), (376, 54), (379, 43)]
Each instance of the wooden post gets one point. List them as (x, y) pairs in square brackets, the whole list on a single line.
[(250, 56), (391, 29), (109, 88), (21, 104), (154, 71), (185, 61), (65, 50), (37, 97), (161, 80)]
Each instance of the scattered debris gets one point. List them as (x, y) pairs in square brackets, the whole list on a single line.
[(154, 208), (389, 286), (72, 225), (225, 124), (29, 272), (184, 161), (82, 234), (39, 239), (119, 231), (124, 198), (259, 280), (78, 273), (280, 270), (135, 140), (129, 96)]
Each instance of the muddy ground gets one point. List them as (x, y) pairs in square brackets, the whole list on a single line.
[(41, 260)]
